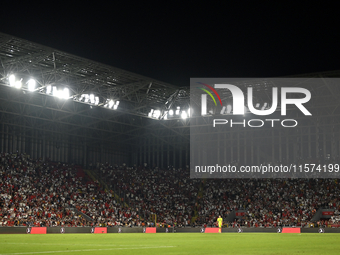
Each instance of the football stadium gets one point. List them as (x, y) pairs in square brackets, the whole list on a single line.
[(98, 160)]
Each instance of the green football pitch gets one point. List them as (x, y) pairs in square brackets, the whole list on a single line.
[(169, 243)]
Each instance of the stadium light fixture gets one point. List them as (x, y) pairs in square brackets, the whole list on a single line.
[(184, 115), (48, 89), (65, 94), (92, 100), (171, 112), (96, 100), (223, 110), (11, 80), (150, 113), (87, 98), (31, 84), (115, 107), (55, 91), (228, 108), (18, 84), (178, 110), (156, 114), (111, 103)]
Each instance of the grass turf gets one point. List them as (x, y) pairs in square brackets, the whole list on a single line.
[(171, 243)]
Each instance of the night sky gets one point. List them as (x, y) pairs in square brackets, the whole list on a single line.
[(172, 42)]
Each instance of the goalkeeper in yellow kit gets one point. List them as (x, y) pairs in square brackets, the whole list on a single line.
[(219, 222)]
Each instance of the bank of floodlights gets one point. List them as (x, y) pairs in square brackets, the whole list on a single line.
[(61, 92), (111, 104), (173, 114)]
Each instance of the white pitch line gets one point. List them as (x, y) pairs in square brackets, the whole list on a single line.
[(74, 244), (47, 252)]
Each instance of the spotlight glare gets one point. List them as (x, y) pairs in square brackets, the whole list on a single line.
[(65, 94), (48, 89), (11, 80), (184, 115), (171, 112), (55, 91), (31, 85), (18, 84)]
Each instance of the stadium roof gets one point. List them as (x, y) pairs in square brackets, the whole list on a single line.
[(95, 101)]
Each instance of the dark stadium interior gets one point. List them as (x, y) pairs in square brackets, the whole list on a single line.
[(107, 125), (81, 161)]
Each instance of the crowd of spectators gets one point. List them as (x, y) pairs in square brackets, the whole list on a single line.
[(44, 193), (37, 193), (268, 202), (169, 194)]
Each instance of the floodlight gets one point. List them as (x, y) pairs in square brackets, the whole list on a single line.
[(117, 103), (228, 108), (171, 112), (177, 111), (150, 113), (11, 80), (96, 100), (17, 84), (184, 115), (49, 89), (223, 110), (65, 94), (156, 114), (55, 91), (92, 99), (31, 85), (111, 103), (115, 107)]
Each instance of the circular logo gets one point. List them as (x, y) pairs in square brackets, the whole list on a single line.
[(28, 230), (279, 230), (321, 230), (62, 230), (239, 230)]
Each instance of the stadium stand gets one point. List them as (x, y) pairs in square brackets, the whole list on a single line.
[(43, 193)]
